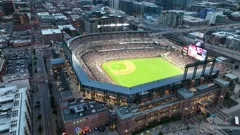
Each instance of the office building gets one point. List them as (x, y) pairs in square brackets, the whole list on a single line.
[(145, 8), (190, 21), (126, 6), (173, 18), (165, 4)]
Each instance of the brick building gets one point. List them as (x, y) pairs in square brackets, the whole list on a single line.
[(84, 115), (51, 34), (186, 103)]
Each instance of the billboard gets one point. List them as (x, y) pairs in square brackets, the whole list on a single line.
[(197, 52), (185, 50)]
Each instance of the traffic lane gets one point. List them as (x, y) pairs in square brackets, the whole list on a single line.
[(233, 132), (47, 110), (233, 114)]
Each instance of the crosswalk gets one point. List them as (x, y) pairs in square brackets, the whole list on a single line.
[(218, 112), (194, 120), (200, 118)]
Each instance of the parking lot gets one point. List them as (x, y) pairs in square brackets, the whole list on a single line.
[(14, 54), (63, 81), (18, 66), (18, 60)]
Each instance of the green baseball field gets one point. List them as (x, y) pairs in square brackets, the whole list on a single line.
[(133, 72)]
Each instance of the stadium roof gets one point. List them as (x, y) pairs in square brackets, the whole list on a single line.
[(72, 47), (221, 82), (111, 88), (185, 93)]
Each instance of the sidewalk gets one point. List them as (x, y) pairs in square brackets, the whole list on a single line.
[(232, 109)]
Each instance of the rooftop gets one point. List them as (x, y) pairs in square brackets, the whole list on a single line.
[(42, 13), (13, 106), (81, 108), (66, 95), (150, 4), (57, 61), (231, 76), (221, 82), (61, 27), (50, 31), (185, 93), (18, 82), (225, 34), (193, 19)]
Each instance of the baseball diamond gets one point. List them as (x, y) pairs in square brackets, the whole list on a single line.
[(133, 72)]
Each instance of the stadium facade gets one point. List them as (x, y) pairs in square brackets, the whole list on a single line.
[(184, 94)]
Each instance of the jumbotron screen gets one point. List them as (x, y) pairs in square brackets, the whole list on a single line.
[(197, 52)]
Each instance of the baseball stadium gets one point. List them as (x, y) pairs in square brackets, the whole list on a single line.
[(118, 67), (144, 77)]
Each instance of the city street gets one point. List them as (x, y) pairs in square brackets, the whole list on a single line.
[(42, 95)]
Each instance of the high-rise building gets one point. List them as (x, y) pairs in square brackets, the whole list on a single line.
[(11, 6), (90, 25), (165, 4), (182, 4), (114, 4), (7, 6), (126, 6), (172, 18), (146, 8), (20, 18)]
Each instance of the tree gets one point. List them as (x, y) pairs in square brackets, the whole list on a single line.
[(68, 31), (49, 85), (227, 96), (40, 128), (34, 52), (50, 90), (39, 117), (77, 33), (37, 106), (34, 63), (55, 112), (52, 102)]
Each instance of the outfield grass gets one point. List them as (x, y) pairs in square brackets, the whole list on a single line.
[(134, 72)]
